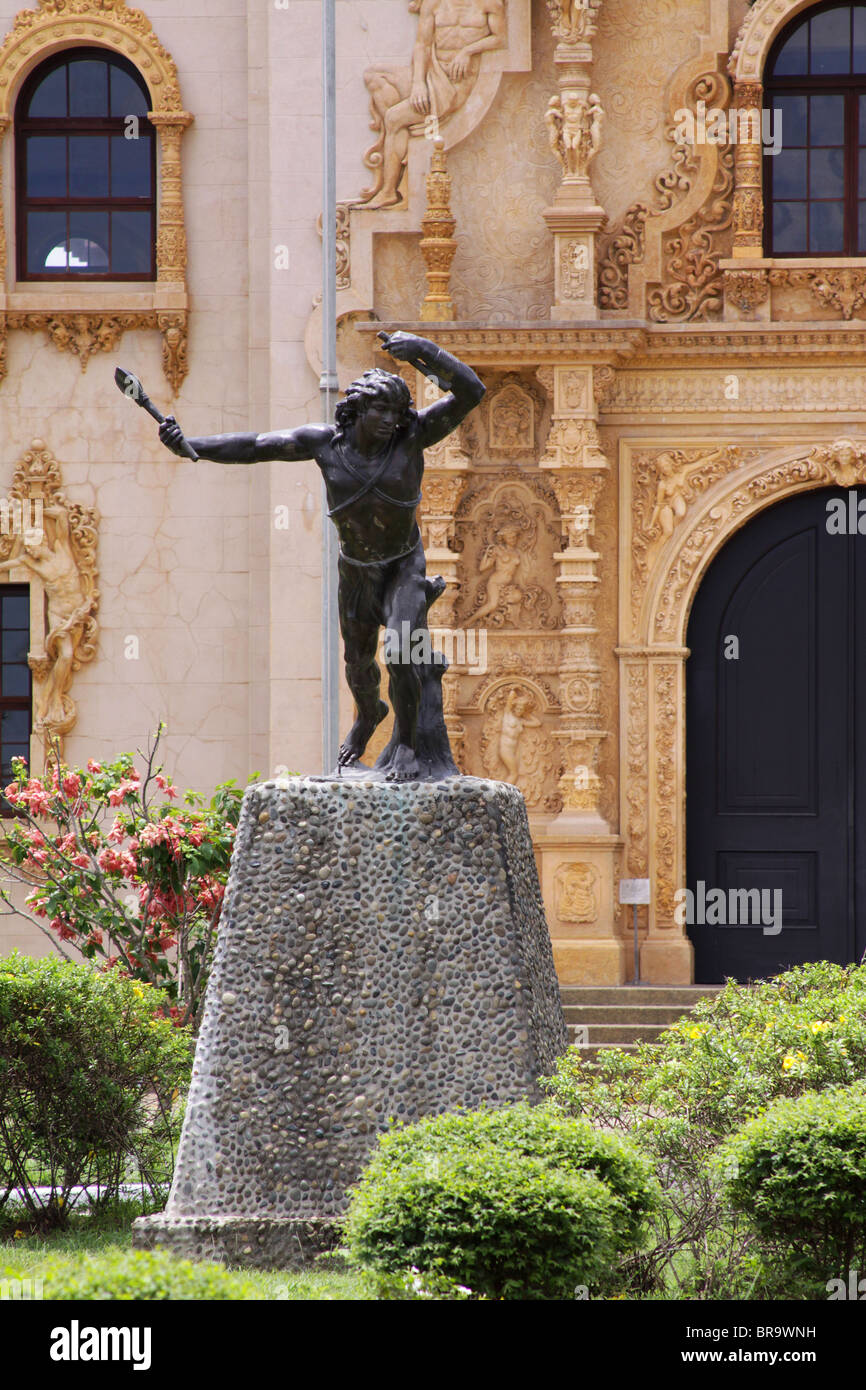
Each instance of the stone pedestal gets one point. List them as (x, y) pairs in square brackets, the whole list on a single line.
[(383, 952)]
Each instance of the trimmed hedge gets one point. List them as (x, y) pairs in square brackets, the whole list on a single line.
[(90, 1078), (798, 1172), (512, 1203)]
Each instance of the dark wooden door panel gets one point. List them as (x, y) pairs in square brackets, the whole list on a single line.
[(772, 776)]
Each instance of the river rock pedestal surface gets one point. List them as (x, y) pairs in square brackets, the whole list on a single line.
[(383, 951)]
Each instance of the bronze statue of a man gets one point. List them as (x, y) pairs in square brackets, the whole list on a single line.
[(372, 462)]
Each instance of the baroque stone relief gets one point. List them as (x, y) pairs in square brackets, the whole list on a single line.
[(58, 558), (511, 414), (514, 746), (689, 223), (576, 889), (508, 536), (665, 484), (439, 81)]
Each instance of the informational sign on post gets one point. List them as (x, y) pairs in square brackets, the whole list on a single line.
[(635, 891)]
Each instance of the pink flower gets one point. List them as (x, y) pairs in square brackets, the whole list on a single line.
[(117, 831), (93, 766), (195, 838), (127, 786), (72, 784), (81, 861), (128, 865), (109, 861), (37, 856)]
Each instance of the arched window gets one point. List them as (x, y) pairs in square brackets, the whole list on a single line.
[(815, 188), (85, 170)]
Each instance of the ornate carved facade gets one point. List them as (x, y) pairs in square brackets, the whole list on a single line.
[(654, 381)]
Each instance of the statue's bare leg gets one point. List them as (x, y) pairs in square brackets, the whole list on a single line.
[(406, 601), (362, 675)]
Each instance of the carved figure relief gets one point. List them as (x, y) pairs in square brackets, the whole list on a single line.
[(511, 421), (573, 21), (439, 81), (576, 893), (62, 558), (508, 558), (574, 124), (512, 744), (665, 484)]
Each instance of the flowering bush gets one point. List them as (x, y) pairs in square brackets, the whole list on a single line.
[(134, 881), (681, 1097)]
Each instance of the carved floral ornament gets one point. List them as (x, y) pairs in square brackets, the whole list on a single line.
[(679, 239), (34, 36), (54, 550)]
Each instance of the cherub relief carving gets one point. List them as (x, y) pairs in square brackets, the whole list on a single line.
[(672, 491), (512, 742)]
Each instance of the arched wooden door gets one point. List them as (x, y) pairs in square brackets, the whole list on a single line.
[(776, 744)]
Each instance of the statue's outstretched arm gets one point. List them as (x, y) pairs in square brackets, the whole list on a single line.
[(288, 445)]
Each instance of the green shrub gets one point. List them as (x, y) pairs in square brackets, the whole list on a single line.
[(139, 1274), (512, 1203), (90, 1075), (681, 1097), (798, 1172)]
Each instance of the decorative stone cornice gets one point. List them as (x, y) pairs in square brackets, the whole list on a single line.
[(618, 341)]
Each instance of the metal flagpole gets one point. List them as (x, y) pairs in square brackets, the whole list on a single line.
[(328, 387)]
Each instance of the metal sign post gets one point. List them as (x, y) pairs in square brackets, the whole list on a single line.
[(328, 387), (635, 891)]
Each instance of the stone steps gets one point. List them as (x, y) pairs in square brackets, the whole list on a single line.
[(626, 1015)]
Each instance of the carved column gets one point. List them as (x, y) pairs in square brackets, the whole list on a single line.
[(748, 164), (5, 123), (171, 235), (577, 846), (171, 302), (574, 121), (437, 241)]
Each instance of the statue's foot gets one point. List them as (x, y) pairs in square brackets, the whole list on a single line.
[(385, 200), (359, 736), (404, 766)]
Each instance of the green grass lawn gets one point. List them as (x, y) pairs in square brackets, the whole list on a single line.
[(109, 1236)]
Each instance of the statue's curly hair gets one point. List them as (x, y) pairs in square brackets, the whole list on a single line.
[(375, 384)]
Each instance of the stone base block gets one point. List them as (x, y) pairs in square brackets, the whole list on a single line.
[(262, 1244), (591, 962), (383, 952), (667, 962)]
